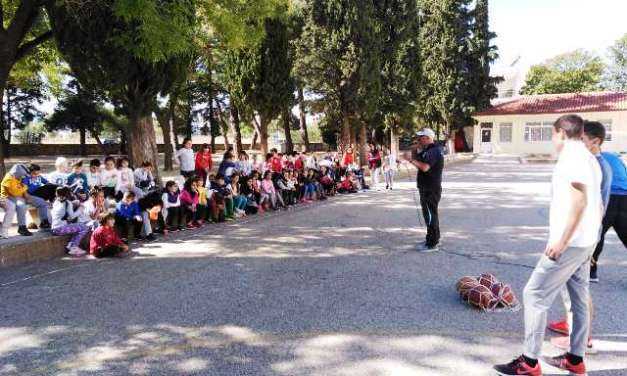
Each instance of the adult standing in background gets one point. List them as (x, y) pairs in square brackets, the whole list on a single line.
[(429, 160)]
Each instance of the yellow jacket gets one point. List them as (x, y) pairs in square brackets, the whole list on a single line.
[(12, 187), (202, 196)]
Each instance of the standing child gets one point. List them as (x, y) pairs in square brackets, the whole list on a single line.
[(105, 242), (204, 162), (128, 216), (389, 168), (172, 210), (185, 158), (77, 181), (63, 214)]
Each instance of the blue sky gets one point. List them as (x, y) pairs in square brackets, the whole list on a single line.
[(540, 29)]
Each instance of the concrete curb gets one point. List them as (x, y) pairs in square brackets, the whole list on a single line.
[(40, 247)]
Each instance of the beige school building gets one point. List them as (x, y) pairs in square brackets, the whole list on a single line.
[(523, 125)]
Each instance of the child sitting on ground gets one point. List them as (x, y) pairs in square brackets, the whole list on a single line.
[(105, 242), (128, 217), (189, 202), (77, 181), (63, 216), (110, 177), (59, 176), (93, 175), (172, 210)]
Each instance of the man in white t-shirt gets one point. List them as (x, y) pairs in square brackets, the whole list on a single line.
[(575, 220)]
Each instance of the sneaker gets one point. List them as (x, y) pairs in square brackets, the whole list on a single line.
[(563, 343), (22, 230), (518, 367), (563, 363), (593, 274), (32, 226), (425, 248), (560, 327), (45, 225), (76, 252)]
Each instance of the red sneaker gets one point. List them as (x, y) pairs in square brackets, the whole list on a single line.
[(560, 327), (562, 362), (518, 367)]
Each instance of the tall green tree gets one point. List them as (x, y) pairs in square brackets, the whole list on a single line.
[(615, 77), (572, 72), (23, 28), (338, 58)]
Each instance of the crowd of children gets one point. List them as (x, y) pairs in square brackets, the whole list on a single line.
[(117, 204)]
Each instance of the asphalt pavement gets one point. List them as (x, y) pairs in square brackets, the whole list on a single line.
[(335, 288)]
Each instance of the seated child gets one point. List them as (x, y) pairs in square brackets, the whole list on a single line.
[(39, 186), (172, 210), (222, 198), (93, 208), (144, 179), (267, 188), (204, 214), (286, 188), (59, 176), (104, 241), (15, 195), (109, 178), (93, 175), (189, 202), (128, 217), (77, 181), (64, 221), (239, 200), (126, 181), (150, 206), (308, 187), (248, 191)]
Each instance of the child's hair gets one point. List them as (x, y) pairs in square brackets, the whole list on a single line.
[(594, 129), (188, 184), (186, 140), (198, 180), (169, 184), (243, 154), (63, 192), (268, 157), (205, 146), (78, 163), (33, 167), (109, 159), (105, 217), (219, 176), (273, 150), (94, 163), (129, 194), (60, 162), (228, 155), (120, 160), (146, 164), (266, 174), (95, 191)]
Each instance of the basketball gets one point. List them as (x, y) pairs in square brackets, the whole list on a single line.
[(481, 297), (506, 296), (487, 280), (464, 285)]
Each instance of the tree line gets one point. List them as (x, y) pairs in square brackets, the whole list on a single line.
[(370, 67)]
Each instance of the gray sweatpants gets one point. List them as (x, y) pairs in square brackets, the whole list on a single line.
[(572, 270)]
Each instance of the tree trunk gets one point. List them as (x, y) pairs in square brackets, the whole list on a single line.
[(253, 143), (235, 129), (345, 135), (83, 140), (7, 126), (99, 142), (363, 145), (303, 118), (263, 136), (163, 117), (213, 125), (289, 144), (123, 141), (223, 127), (394, 144), (143, 142)]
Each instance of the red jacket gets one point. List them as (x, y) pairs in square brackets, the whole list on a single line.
[(203, 161), (276, 164), (102, 237), (298, 164)]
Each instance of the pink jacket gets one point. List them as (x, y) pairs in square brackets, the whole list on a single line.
[(186, 198), (267, 186)]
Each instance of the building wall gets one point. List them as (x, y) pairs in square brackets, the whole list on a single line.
[(519, 146)]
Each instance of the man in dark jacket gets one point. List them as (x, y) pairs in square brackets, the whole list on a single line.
[(429, 160)]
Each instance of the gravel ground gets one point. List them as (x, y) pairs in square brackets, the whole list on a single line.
[(331, 289)]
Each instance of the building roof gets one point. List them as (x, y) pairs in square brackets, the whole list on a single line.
[(559, 103)]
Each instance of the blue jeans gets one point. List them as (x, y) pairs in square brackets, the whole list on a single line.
[(41, 205)]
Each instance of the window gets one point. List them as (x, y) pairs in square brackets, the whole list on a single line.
[(505, 132), (538, 131), (608, 129)]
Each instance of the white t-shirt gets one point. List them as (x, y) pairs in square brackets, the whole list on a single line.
[(93, 179), (110, 178), (186, 159), (576, 165), (57, 177)]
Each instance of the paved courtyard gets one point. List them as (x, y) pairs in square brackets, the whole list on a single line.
[(332, 289)]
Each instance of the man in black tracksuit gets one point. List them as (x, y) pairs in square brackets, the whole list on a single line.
[(429, 161)]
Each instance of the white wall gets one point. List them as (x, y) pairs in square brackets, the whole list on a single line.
[(518, 146)]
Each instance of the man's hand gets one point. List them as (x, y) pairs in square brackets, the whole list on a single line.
[(554, 251)]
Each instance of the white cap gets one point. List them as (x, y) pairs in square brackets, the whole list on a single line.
[(428, 132)]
